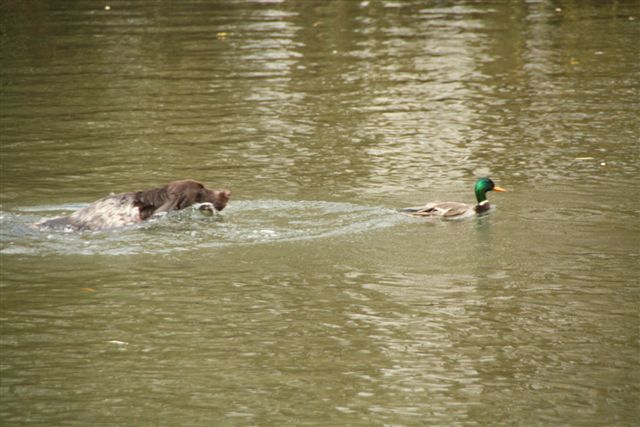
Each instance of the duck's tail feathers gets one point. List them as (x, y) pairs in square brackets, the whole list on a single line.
[(411, 209)]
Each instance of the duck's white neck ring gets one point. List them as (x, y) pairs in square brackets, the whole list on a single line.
[(484, 202)]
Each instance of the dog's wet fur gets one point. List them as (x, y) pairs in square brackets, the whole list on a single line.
[(123, 209)]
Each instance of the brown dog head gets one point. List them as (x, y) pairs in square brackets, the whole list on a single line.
[(187, 192), (219, 198), (179, 195)]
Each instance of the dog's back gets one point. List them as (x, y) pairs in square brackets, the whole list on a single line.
[(113, 211)]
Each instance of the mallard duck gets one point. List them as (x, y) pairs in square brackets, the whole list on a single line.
[(455, 210)]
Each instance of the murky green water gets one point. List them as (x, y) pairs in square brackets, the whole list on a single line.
[(310, 301)]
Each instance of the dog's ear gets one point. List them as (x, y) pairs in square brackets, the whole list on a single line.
[(199, 195), (151, 198), (186, 193)]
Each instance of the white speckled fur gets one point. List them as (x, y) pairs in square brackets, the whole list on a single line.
[(109, 212)]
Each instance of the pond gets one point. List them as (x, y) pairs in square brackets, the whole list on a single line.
[(310, 300)]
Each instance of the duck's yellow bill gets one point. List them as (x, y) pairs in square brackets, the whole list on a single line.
[(499, 189)]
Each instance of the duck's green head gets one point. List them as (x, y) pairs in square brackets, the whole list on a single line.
[(483, 185)]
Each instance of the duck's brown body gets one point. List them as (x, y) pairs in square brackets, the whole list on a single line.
[(448, 210), (123, 209)]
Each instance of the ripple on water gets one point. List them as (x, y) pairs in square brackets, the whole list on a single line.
[(242, 223)]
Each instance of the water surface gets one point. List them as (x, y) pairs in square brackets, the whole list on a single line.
[(310, 301)]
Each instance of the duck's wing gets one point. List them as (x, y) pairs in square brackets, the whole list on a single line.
[(453, 210), (448, 210)]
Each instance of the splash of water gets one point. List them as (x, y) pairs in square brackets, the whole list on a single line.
[(242, 223)]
